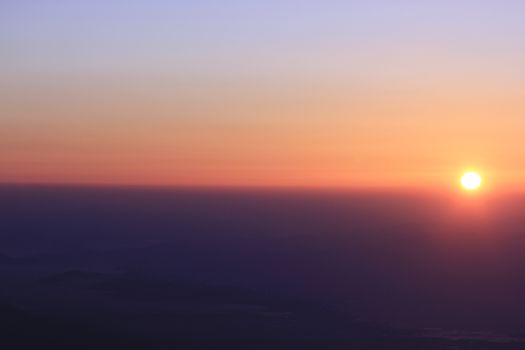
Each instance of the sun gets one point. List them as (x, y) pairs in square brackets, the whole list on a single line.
[(471, 180)]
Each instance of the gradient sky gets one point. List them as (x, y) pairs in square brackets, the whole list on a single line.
[(275, 92)]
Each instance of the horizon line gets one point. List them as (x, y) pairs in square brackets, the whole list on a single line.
[(260, 187)]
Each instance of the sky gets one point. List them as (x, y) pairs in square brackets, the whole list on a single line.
[(375, 93)]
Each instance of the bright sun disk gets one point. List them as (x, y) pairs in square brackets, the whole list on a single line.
[(471, 180)]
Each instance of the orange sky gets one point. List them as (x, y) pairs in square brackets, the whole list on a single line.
[(364, 110), (287, 137)]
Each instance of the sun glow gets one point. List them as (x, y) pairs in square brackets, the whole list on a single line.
[(471, 180)]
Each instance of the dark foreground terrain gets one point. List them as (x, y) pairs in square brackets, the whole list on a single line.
[(117, 268)]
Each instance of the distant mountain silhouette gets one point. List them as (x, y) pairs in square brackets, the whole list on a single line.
[(138, 287), (160, 270)]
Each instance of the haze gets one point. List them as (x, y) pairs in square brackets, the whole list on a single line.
[(273, 93)]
